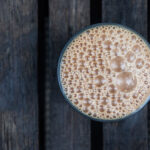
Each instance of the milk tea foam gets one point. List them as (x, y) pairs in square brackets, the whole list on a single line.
[(105, 72)]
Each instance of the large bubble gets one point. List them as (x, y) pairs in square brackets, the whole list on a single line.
[(118, 64), (126, 82)]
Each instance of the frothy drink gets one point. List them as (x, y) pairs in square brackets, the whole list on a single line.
[(105, 72)]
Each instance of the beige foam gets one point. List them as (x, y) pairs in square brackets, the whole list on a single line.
[(105, 72)]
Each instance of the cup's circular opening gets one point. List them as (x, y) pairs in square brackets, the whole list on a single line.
[(59, 69)]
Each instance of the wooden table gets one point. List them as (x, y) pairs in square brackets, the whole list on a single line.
[(33, 113)]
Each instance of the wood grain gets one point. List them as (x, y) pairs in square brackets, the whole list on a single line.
[(69, 130), (130, 134), (18, 75)]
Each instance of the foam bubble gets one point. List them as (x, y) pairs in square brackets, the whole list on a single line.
[(136, 48), (81, 96), (126, 96), (130, 56), (99, 81), (114, 103), (108, 71), (126, 82), (107, 45), (139, 63), (118, 64), (112, 88), (104, 101)]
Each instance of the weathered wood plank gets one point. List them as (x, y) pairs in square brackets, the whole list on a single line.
[(131, 133), (18, 75), (69, 130)]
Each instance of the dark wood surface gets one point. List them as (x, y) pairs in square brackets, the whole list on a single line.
[(131, 133), (18, 75), (28, 73), (69, 130)]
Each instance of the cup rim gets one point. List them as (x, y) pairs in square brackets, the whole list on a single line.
[(59, 78)]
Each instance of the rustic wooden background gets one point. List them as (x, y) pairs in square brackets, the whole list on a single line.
[(33, 113)]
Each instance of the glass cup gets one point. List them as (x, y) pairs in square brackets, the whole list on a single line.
[(59, 78)]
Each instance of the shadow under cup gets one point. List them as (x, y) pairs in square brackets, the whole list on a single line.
[(59, 72)]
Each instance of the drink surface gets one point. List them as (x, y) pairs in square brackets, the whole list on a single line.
[(105, 72)]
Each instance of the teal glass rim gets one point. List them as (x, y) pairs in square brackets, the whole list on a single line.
[(59, 69)]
